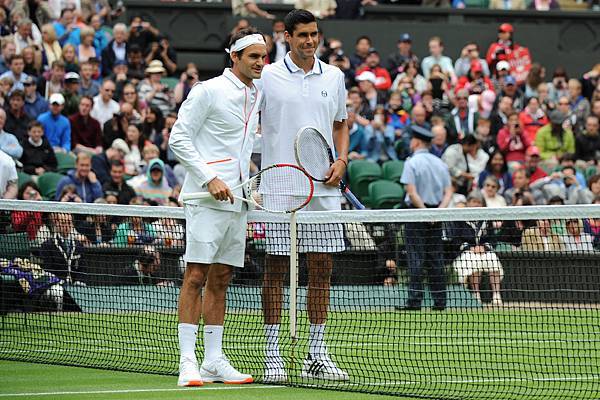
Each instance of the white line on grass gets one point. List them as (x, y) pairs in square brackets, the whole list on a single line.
[(484, 380), (239, 387)]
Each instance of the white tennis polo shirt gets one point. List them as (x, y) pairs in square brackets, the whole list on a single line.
[(292, 100)]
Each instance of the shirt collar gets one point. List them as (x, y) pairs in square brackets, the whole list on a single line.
[(293, 68), (227, 73)]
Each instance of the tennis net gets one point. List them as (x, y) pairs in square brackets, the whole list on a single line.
[(512, 311)]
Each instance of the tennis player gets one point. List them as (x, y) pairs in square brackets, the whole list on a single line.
[(300, 91), (213, 139)]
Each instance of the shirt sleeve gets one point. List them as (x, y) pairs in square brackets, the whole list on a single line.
[(408, 174), (66, 142), (341, 113), (191, 117)]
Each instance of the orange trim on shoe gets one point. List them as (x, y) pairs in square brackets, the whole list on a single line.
[(194, 383), (248, 380)]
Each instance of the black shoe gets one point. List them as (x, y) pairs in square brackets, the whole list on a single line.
[(438, 308), (408, 308)]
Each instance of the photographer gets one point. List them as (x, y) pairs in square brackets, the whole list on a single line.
[(161, 50), (338, 58), (558, 87), (141, 33), (153, 92), (475, 81), (186, 81), (512, 140)]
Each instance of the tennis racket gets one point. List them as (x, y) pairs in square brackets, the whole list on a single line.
[(279, 188), (314, 155)]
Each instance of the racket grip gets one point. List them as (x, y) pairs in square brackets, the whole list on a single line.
[(351, 197), (195, 196)]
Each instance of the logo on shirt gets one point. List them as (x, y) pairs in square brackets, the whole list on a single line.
[(324, 93)]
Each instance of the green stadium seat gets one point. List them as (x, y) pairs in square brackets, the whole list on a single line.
[(384, 194), (589, 172), (48, 182), (169, 82), (477, 4), (65, 162), (361, 174), (392, 170), (14, 245), (23, 178)]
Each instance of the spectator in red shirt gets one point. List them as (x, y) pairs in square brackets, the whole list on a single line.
[(513, 141), (506, 49), (532, 159), (86, 134), (475, 82), (372, 63), (28, 221), (532, 118)]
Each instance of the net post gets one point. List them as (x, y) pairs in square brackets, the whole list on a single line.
[(293, 275)]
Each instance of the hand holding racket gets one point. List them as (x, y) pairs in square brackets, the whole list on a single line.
[(314, 155), (280, 188)]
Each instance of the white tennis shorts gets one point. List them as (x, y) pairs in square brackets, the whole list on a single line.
[(312, 238), (215, 236), (468, 262)]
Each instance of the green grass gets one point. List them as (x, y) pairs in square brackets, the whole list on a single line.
[(511, 353)]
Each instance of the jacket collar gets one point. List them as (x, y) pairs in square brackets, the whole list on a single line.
[(227, 73)]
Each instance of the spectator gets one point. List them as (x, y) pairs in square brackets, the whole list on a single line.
[(153, 92), (134, 232), (156, 186), (248, 8), (104, 106), (87, 86), (8, 50), (553, 140), (54, 82), (465, 161), (404, 54), (149, 153), (497, 168), (587, 143), (544, 98), (165, 151), (119, 77), (32, 60), (486, 140), (98, 228), (436, 48), (510, 89), (462, 121), (361, 106), (410, 70), (16, 118), (532, 161), (9, 143), (135, 141), (591, 226), (379, 141), (468, 55), (101, 38), (56, 126), (161, 50), (558, 87), (8, 177), (476, 241), (535, 78), (38, 156), (439, 85), (117, 184), (86, 49), (71, 93), (540, 238), (6, 85), (507, 5), (366, 84), (320, 9), (439, 143), (64, 25), (187, 80), (513, 141), (136, 65), (569, 160), (28, 221), (35, 104), (506, 49), (145, 270), (101, 163), (475, 81), (357, 147), (141, 33), (17, 64), (544, 5), (580, 106), (153, 124), (361, 50), (499, 117), (69, 57), (116, 49), (24, 37), (4, 26), (490, 194), (532, 118), (86, 135), (577, 240), (51, 49), (372, 64), (83, 178), (116, 127)]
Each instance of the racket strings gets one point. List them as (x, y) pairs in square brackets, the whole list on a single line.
[(313, 154), (281, 189)]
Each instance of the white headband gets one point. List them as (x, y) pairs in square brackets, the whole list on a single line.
[(246, 41)]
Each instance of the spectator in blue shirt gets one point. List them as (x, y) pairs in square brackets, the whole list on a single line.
[(83, 178), (56, 126), (17, 65), (64, 25), (35, 104)]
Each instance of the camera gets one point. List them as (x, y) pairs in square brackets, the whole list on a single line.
[(339, 55)]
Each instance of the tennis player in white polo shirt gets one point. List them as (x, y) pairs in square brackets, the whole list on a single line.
[(301, 91), (213, 139)]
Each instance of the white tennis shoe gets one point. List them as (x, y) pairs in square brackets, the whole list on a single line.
[(323, 367), (189, 374), (275, 370), (221, 370)]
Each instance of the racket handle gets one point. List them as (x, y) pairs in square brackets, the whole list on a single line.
[(195, 196), (350, 196)]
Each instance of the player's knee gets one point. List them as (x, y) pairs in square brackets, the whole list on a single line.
[(219, 279), (194, 276)]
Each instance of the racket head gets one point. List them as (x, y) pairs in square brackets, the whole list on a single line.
[(280, 188), (313, 153)]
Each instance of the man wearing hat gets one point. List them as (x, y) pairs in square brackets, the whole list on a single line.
[(366, 81), (428, 185), (505, 48), (153, 91), (511, 89), (404, 54), (56, 126), (553, 140), (71, 93), (383, 81), (35, 104)]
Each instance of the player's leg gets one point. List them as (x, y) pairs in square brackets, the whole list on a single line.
[(231, 250), (276, 268), (189, 310), (318, 363)]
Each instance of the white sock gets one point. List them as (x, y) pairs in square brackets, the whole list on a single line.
[(213, 342), (272, 335), (187, 341), (316, 341)]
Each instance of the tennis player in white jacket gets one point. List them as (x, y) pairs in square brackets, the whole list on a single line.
[(213, 139)]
